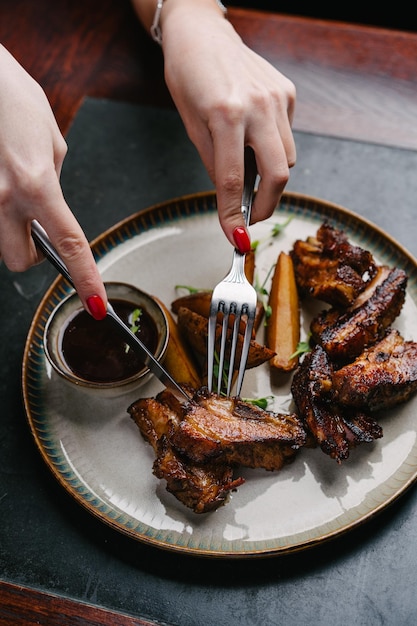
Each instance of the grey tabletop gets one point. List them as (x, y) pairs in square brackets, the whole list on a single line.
[(123, 158)]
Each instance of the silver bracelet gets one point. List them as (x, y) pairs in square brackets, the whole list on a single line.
[(221, 6), (156, 31)]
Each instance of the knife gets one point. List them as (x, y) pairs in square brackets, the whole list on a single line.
[(43, 242)]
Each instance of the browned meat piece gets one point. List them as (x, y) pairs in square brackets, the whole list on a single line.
[(383, 376), (381, 274), (311, 389), (197, 444), (201, 488), (345, 335), (334, 429), (228, 429), (154, 418), (329, 268), (360, 427)]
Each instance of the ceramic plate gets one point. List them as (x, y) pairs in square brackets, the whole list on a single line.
[(97, 453)]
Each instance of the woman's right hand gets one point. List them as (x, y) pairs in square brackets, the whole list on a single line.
[(32, 151), (229, 97)]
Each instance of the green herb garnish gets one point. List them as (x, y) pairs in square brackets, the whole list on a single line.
[(190, 289), (262, 403), (263, 294), (302, 348), (134, 324), (278, 228), (134, 318)]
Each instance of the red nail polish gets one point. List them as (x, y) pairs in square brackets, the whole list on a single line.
[(96, 307), (241, 239)]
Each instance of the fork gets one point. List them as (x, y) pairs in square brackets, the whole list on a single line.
[(233, 298)]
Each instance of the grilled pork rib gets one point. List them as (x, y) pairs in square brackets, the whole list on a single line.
[(344, 335), (201, 488), (199, 444), (334, 428), (383, 376), (328, 267), (215, 427)]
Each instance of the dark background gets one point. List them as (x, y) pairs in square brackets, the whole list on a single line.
[(397, 16)]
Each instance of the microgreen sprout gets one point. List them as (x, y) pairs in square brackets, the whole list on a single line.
[(278, 228), (260, 288), (134, 318), (262, 403), (226, 366), (190, 289), (302, 348), (263, 293), (134, 323)]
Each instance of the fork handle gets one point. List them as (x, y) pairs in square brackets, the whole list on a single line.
[(251, 173)]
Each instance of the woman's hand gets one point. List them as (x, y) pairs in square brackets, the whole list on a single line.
[(32, 151), (229, 97)]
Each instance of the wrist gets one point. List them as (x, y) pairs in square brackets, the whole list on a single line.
[(161, 11)]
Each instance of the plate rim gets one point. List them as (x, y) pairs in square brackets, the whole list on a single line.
[(147, 217)]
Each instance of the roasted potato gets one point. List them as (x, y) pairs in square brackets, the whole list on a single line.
[(199, 302), (194, 327), (283, 324), (178, 359)]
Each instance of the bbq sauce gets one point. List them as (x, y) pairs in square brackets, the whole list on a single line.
[(95, 351)]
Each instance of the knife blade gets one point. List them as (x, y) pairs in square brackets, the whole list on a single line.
[(42, 240)]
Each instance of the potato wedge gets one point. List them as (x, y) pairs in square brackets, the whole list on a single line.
[(199, 302), (194, 328), (178, 360), (283, 324)]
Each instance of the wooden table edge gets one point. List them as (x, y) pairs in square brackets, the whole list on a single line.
[(24, 606)]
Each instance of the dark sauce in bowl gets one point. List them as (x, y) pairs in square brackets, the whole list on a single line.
[(94, 350)]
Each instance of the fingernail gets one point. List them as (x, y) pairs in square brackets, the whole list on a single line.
[(241, 239), (96, 307)]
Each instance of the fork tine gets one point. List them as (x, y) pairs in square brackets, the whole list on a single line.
[(235, 336), (225, 326), (211, 340), (245, 352)]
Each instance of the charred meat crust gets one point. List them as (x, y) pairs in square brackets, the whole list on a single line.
[(201, 488), (383, 376), (328, 267), (345, 334), (336, 429)]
